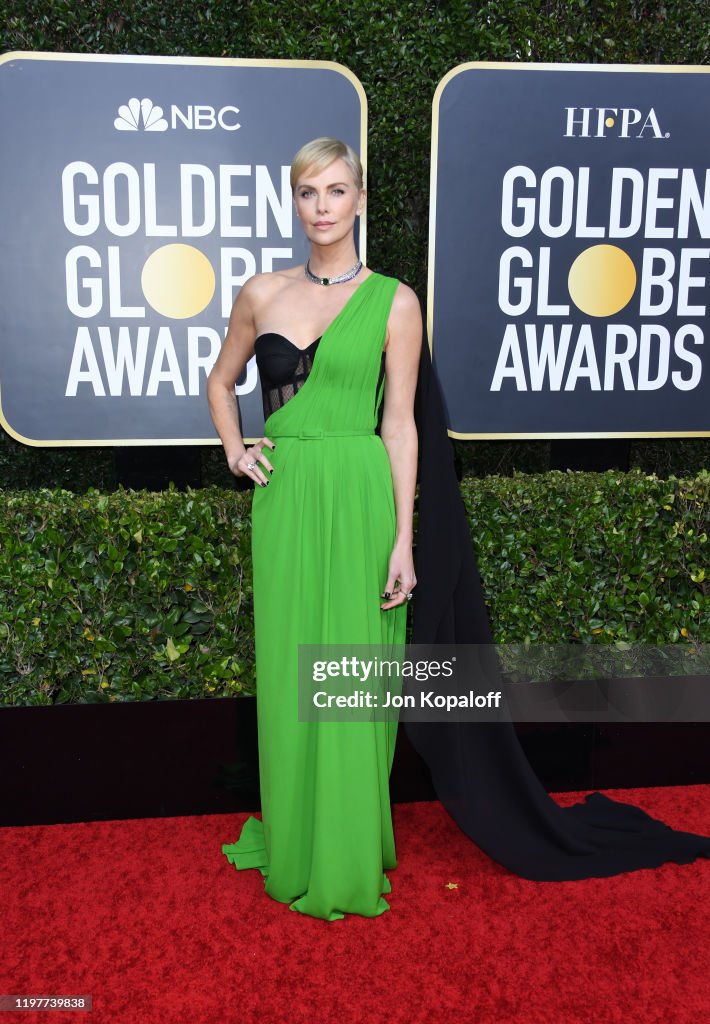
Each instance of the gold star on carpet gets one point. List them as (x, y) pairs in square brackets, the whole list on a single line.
[(452, 885)]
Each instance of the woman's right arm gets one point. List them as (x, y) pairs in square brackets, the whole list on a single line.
[(237, 350)]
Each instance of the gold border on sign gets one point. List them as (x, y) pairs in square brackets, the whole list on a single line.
[(244, 62), (522, 66)]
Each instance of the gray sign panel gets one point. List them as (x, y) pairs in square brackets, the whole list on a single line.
[(137, 195), (570, 250)]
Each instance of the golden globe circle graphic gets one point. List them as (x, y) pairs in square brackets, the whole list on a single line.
[(178, 281), (602, 280)]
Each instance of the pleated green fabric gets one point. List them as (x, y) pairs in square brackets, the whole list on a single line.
[(322, 535)]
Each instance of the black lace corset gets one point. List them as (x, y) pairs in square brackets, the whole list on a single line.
[(283, 369)]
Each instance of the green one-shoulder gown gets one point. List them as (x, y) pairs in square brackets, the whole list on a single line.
[(322, 534)]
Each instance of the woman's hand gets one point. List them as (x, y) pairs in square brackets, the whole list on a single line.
[(248, 462), (401, 579)]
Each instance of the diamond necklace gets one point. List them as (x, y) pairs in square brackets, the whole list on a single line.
[(340, 279)]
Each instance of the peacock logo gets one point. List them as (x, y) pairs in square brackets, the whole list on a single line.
[(143, 115), (137, 115)]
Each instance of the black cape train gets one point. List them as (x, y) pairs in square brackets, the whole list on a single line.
[(479, 770)]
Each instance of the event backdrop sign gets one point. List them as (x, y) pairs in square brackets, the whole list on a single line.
[(570, 250), (137, 195)]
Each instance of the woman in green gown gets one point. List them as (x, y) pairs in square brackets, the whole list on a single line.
[(331, 535)]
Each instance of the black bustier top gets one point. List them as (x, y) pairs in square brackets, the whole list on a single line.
[(283, 369)]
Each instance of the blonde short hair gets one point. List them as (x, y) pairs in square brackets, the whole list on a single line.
[(319, 153)]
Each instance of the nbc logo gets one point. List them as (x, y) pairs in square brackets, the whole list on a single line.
[(137, 114)]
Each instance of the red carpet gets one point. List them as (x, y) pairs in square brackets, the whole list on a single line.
[(149, 918)]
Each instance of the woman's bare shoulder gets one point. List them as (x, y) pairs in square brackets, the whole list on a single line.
[(265, 287), (404, 324), (405, 300), (405, 313)]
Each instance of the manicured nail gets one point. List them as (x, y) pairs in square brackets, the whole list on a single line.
[(386, 594)]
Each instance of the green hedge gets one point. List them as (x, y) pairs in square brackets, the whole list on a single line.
[(399, 51), (586, 557), (137, 596), (127, 596)]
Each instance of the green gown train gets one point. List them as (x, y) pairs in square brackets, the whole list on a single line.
[(322, 534)]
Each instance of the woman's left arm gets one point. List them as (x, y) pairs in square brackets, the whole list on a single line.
[(399, 433)]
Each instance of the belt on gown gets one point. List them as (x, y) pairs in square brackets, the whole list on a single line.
[(317, 435)]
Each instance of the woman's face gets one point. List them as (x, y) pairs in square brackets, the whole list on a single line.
[(327, 202)]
